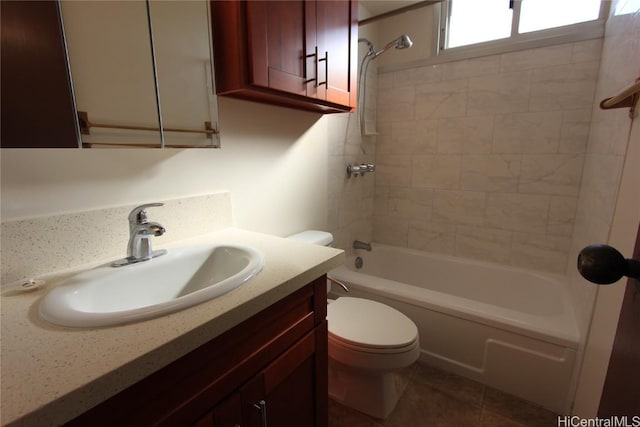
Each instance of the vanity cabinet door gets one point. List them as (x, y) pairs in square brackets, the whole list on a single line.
[(227, 413), (284, 393)]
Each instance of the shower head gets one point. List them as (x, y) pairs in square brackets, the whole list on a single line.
[(402, 42)]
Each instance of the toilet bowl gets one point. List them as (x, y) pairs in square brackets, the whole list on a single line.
[(368, 343)]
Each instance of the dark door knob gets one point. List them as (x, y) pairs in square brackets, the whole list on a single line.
[(604, 265)]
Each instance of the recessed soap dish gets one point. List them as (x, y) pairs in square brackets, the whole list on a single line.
[(30, 285)]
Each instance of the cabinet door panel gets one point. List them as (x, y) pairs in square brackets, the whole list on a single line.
[(229, 412), (291, 402), (284, 393), (335, 41), (277, 44)]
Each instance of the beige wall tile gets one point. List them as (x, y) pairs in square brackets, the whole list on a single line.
[(396, 103), (535, 58), (575, 131), (460, 207), (441, 99), (393, 170), (587, 51), (540, 252), (495, 172), (414, 136), (404, 202), (385, 81), (390, 231), (551, 174), (419, 75), (517, 212), (483, 243), (432, 236), (564, 86), (465, 135), (499, 93), (436, 171), (537, 132), (562, 213), (471, 67)]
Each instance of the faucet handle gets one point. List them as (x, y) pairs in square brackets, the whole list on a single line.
[(138, 214)]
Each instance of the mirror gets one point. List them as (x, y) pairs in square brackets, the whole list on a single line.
[(142, 73)]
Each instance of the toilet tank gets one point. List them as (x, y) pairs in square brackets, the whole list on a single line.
[(316, 237)]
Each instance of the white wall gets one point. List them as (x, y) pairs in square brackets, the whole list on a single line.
[(421, 26), (273, 161)]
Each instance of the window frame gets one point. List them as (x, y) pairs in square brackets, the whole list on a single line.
[(517, 41)]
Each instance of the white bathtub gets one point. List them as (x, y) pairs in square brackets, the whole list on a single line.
[(508, 328)]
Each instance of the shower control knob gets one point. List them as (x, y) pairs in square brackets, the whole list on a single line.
[(604, 265), (354, 170)]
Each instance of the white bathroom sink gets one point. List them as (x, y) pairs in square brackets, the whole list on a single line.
[(182, 278)]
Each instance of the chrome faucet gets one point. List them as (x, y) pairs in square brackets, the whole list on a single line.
[(357, 244), (140, 233)]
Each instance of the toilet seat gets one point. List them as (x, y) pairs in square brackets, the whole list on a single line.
[(369, 326)]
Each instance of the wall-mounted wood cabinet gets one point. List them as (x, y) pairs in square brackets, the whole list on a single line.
[(269, 370), (299, 54)]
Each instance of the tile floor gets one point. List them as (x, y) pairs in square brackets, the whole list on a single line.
[(431, 397)]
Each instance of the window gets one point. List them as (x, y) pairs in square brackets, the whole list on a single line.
[(472, 21), (543, 14), (467, 22), (624, 7)]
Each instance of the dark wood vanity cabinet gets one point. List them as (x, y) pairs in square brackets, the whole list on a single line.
[(269, 370), (299, 54)]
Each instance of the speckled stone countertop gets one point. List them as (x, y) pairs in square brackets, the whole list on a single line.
[(51, 374)]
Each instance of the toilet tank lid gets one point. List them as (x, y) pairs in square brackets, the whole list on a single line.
[(316, 237)]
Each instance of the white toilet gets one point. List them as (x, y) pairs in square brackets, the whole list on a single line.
[(368, 342)]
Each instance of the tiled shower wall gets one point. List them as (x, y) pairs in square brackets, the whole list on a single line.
[(350, 206), (350, 200), (483, 158), (609, 139)]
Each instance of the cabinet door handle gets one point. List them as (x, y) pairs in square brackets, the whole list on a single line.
[(262, 407), (326, 69), (311, 55)]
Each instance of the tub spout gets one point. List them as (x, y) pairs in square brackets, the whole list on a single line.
[(357, 244)]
